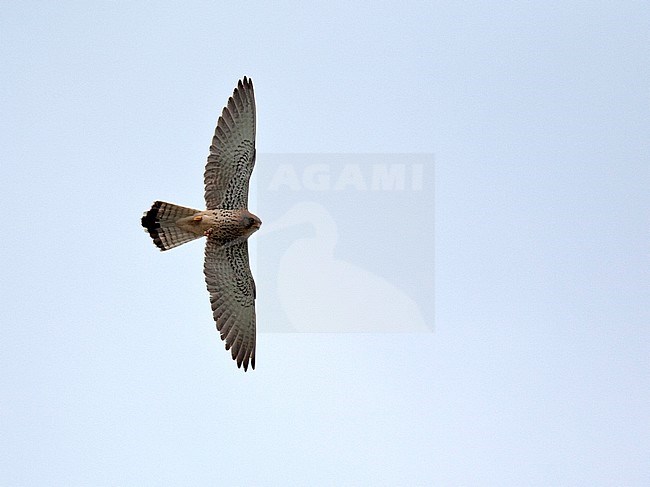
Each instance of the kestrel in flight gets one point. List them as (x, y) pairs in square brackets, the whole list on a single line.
[(226, 223)]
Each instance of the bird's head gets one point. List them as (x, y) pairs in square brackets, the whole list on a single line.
[(250, 223)]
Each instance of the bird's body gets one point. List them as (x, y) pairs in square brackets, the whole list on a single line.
[(226, 223), (222, 225)]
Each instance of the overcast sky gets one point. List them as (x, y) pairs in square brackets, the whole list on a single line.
[(452, 273)]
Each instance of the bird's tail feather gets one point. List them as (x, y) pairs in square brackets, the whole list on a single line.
[(160, 222)]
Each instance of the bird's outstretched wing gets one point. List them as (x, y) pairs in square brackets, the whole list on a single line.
[(232, 153), (232, 296)]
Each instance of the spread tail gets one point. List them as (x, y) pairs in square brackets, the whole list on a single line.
[(160, 222)]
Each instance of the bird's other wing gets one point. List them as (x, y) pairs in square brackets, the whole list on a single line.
[(232, 153), (232, 296)]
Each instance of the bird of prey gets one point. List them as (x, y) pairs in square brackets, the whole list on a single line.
[(226, 223)]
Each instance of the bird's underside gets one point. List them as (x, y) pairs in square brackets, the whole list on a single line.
[(226, 223)]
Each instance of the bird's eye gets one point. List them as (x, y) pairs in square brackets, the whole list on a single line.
[(248, 222)]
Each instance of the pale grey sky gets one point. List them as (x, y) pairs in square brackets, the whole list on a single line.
[(535, 369)]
